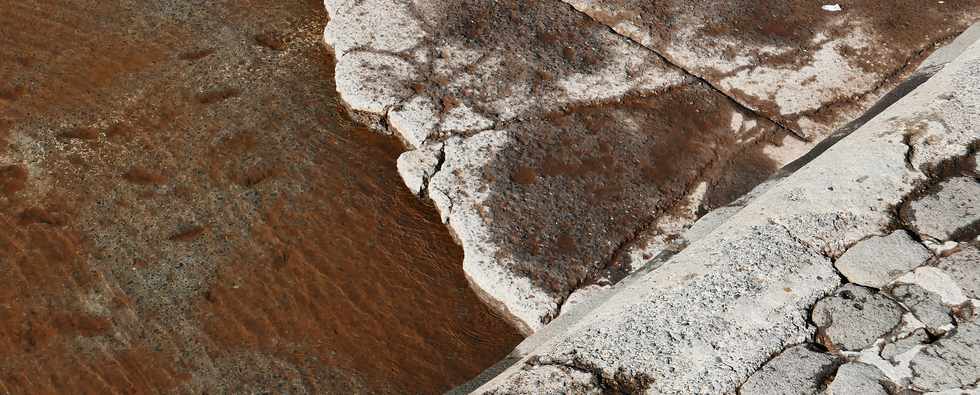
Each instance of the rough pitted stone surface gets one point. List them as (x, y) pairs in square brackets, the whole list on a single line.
[(964, 269), (636, 331), (879, 260), (789, 59), (797, 370), (858, 379), (926, 306), (551, 380), (854, 317), (950, 363), (894, 349), (712, 314), (937, 281), (955, 206)]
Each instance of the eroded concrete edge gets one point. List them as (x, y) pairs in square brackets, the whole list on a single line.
[(373, 68), (712, 220), (820, 209)]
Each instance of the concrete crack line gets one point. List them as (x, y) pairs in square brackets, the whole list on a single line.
[(440, 161), (618, 383), (684, 70)]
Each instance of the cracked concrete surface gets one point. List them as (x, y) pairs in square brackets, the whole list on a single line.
[(590, 129), (604, 150), (717, 311), (568, 143), (804, 67)]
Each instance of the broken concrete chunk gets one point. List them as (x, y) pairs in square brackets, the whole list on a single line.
[(858, 379), (413, 121), (797, 370), (948, 213), (854, 317), (901, 346), (373, 82), (951, 363), (879, 260), (964, 268), (926, 306), (937, 281), (564, 198), (417, 166)]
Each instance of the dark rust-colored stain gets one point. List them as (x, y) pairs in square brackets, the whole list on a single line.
[(80, 133), (218, 95), (520, 27), (144, 176), (41, 216), (13, 178), (578, 185), (271, 40), (196, 54), (254, 263), (906, 25), (573, 44), (524, 175), (188, 234)]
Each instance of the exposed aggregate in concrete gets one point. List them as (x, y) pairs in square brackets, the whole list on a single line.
[(796, 370), (854, 317)]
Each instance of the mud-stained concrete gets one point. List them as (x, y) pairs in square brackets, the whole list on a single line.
[(464, 66), (810, 69), (185, 207), (892, 205), (559, 152), (576, 187)]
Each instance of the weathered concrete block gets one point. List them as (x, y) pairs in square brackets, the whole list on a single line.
[(926, 306), (964, 269), (951, 363), (797, 370), (879, 260), (891, 350), (943, 214), (858, 379), (854, 317), (552, 380), (713, 313)]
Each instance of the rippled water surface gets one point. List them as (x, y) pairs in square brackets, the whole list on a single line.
[(185, 207)]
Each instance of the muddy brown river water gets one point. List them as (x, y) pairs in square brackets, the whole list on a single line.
[(185, 207)]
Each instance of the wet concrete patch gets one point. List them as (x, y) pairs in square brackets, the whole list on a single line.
[(576, 187)]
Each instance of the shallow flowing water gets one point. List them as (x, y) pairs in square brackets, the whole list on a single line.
[(186, 207)]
